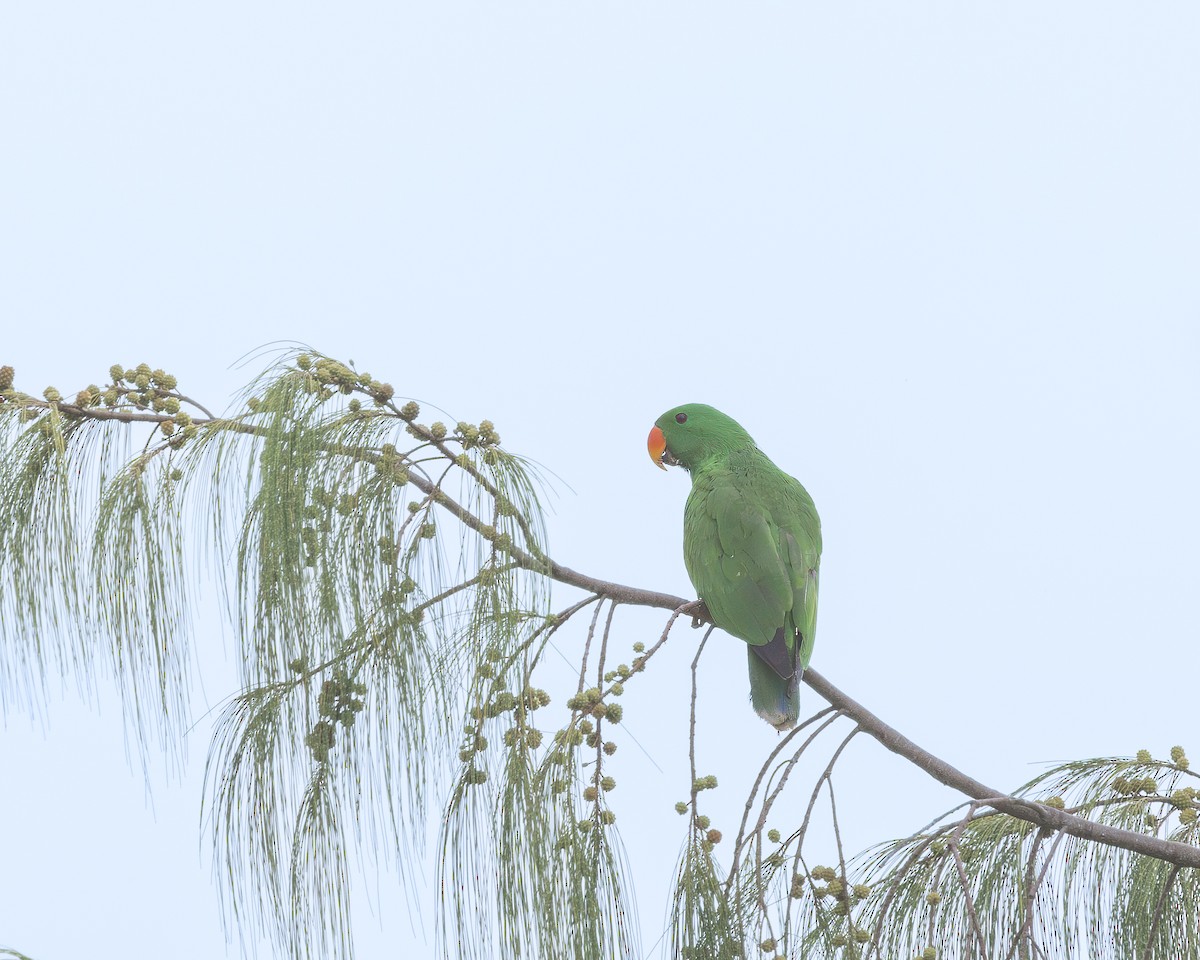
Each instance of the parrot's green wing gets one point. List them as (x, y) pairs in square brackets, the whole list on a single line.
[(731, 551), (803, 550), (752, 546)]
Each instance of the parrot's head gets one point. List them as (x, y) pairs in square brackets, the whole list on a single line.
[(687, 435)]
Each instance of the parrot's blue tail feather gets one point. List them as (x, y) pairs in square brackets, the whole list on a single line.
[(775, 699)]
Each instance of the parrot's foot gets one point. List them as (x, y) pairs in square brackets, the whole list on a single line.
[(700, 616)]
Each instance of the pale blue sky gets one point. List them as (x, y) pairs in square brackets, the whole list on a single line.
[(940, 259)]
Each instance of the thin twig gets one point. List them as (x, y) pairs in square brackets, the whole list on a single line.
[(599, 730), (916, 855), (812, 800), (1027, 926), (587, 646), (965, 883), (1158, 913), (934, 883), (692, 726), (762, 772), (545, 633), (1026, 931)]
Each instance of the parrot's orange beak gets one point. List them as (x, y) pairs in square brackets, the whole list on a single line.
[(656, 443)]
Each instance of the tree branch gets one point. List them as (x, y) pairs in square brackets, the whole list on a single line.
[(1180, 854), (1048, 818), (1045, 817)]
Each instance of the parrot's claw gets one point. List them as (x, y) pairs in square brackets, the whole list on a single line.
[(700, 616)]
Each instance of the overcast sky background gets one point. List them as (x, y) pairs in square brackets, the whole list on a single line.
[(940, 259)]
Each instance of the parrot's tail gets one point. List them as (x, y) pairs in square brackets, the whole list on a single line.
[(775, 699)]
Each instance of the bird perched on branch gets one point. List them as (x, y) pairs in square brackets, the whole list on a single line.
[(752, 548)]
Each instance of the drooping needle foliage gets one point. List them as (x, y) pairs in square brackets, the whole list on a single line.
[(388, 584)]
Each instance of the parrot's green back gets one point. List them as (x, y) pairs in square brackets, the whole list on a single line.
[(752, 547)]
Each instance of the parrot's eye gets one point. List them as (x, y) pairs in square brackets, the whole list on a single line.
[(681, 418)]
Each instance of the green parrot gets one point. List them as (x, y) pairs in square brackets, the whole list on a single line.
[(752, 547)]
